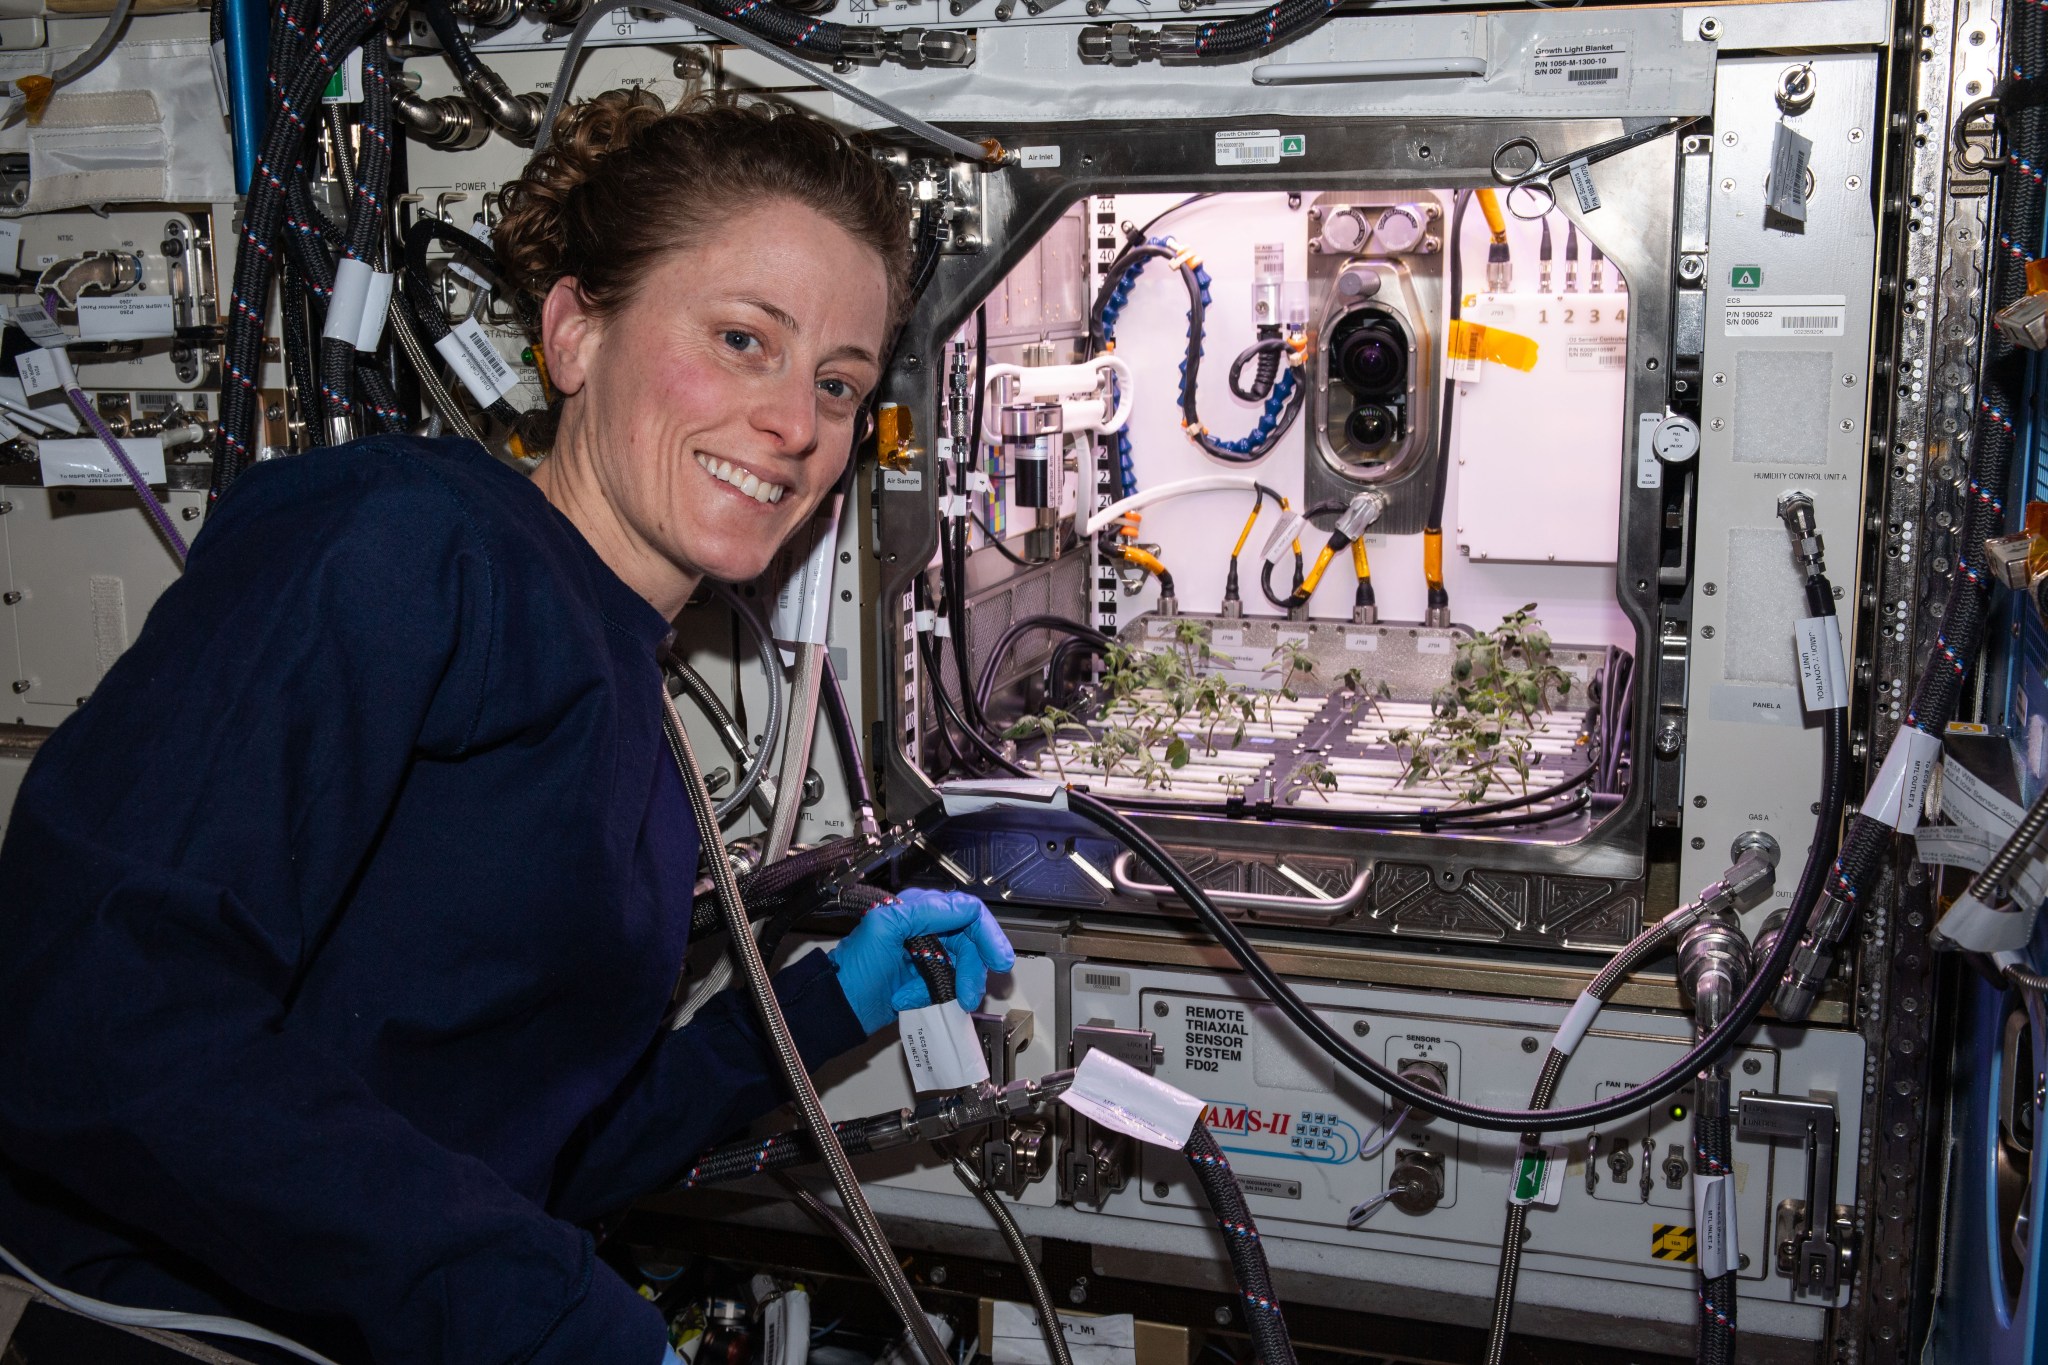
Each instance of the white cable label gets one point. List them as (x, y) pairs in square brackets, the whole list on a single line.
[(1576, 1022), (1898, 794), (1823, 679), (922, 621), (88, 463), (127, 317), (1713, 1211), (1539, 1176), (10, 245), (977, 481), (30, 318), (1125, 1100), (1284, 535), (44, 370), (941, 1047), (473, 360), (376, 307), (953, 505), (355, 312)]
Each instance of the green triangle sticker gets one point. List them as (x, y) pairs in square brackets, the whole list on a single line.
[(1746, 277)]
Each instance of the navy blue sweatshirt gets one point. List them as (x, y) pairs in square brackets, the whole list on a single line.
[(337, 932)]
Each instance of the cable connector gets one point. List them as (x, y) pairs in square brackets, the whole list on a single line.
[(1127, 44), (1795, 509), (1813, 961), (1364, 509), (912, 47)]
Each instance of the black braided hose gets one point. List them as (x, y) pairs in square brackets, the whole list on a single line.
[(242, 354), (1714, 1155), (1262, 1313), (1941, 685)]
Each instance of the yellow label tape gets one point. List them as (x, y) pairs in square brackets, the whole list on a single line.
[(1473, 341)]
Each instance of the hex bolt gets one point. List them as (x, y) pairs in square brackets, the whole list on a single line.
[(1160, 1008), (1359, 1028), (1160, 1189), (938, 1274)]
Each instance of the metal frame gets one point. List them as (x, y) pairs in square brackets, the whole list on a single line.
[(1636, 231)]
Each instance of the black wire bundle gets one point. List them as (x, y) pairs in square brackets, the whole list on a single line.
[(757, 1156), (1941, 685), (1270, 27), (363, 235), (1241, 1237), (419, 292), (298, 81), (1714, 1155)]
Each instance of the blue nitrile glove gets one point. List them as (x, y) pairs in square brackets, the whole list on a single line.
[(875, 971)]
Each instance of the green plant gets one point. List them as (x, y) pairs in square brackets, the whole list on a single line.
[(1314, 774), (1290, 658), (1502, 682), (1048, 725)]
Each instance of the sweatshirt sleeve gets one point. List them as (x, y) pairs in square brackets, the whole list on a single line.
[(178, 853), (698, 1083)]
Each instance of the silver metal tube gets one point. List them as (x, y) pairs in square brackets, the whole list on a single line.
[(894, 1284)]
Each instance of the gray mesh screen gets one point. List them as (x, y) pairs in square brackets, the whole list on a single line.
[(1777, 418)]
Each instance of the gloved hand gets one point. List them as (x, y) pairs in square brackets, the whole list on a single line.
[(875, 971)]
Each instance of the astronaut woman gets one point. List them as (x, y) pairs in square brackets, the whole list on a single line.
[(338, 930)]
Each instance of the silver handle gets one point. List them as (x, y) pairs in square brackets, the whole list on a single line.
[(1324, 907)]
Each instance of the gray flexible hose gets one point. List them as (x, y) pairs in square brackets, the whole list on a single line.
[(894, 1284), (774, 52), (771, 669), (729, 729), (828, 1218), (101, 46), (1645, 947), (442, 401), (1020, 1251)]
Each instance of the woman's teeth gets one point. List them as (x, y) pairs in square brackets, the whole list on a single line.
[(759, 489)]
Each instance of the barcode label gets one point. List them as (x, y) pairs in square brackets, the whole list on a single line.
[(1115, 983), (1258, 147), (151, 404), (1595, 62), (1248, 149), (476, 362), (1785, 317)]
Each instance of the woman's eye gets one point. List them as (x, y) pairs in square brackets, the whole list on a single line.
[(836, 388), (741, 341)]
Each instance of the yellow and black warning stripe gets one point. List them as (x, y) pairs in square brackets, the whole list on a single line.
[(1670, 1242)]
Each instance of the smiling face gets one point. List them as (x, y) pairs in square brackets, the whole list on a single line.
[(706, 419)]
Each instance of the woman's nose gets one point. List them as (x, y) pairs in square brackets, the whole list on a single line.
[(786, 408)]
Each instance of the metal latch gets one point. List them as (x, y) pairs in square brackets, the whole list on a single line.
[(1817, 1242), (1097, 1162)]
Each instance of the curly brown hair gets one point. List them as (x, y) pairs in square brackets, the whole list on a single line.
[(624, 180)]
